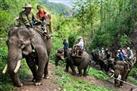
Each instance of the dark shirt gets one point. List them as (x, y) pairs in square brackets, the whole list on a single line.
[(66, 45)]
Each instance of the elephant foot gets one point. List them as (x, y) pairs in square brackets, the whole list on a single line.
[(85, 75), (33, 80), (19, 85), (46, 77), (37, 83), (79, 75), (73, 73), (66, 70)]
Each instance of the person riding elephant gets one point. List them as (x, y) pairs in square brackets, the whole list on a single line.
[(21, 44), (82, 62), (120, 73), (79, 47), (26, 17), (43, 17), (130, 54), (65, 47)]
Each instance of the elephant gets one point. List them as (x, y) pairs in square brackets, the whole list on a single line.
[(82, 62), (105, 63), (28, 44), (59, 56), (121, 70)]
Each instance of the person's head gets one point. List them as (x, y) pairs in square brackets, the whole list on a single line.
[(65, 39), (118, 50), (80, 38), (28, 8), (39, 7), (128, 48)]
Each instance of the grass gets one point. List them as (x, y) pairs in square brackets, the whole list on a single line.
[(98, 74), (72, 83), (132, 80)]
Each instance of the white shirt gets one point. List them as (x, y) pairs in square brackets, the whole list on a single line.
[(81, 44)]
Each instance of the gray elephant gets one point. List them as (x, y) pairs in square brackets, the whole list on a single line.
[(122, 69), (120, 73), (29, 44), (82, 62), (59, 56)]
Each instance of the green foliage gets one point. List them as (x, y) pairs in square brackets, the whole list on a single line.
[(71, 83), (6, 87), (108, 22), (71, 40), (133, 72), (124, 40), (9, 10), (98, 74), (133, 80)]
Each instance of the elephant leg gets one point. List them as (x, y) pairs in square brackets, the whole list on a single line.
[(85, 71), (14, 76), (46, 71), (42, 61), (80, 71), (32, 65), (67, 67), (73, 69), (121, 82)]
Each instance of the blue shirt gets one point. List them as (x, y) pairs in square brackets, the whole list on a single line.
[(66, 45)]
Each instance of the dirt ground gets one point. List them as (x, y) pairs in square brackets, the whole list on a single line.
[(47, 84), (51, 85)]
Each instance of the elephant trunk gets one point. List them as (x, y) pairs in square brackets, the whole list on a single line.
[(14, 59), (13, 65), (119, 77)]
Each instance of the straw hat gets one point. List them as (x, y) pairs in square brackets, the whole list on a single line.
[(27, 5)]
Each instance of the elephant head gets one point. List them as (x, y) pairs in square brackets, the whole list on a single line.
[(121, 73), (19, 44)]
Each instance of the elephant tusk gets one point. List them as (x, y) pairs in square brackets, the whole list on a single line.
[(62, 57), (17, 66), (119, 77), (112, 75), (5, 69)]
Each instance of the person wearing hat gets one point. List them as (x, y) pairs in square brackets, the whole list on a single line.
[(130, 54), (79, 47), (26, 17)]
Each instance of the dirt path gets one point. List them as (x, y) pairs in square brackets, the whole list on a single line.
[(107, 84), (51, 85), (48, 84)]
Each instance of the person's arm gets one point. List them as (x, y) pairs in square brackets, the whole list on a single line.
[(132, 55)]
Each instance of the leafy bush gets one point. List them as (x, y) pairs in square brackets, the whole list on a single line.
[(98, 74)]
